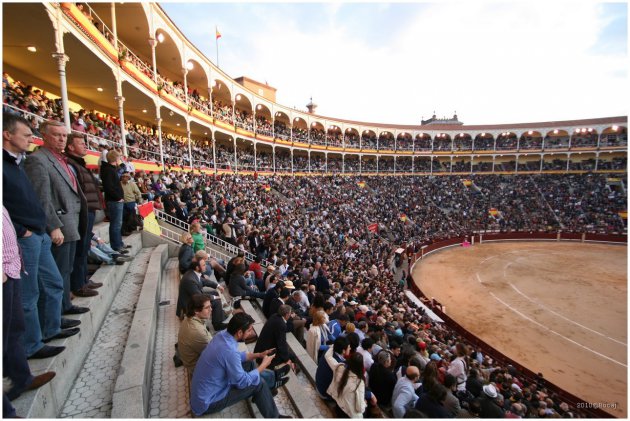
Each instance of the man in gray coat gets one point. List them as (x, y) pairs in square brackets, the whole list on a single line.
[(65, 206)]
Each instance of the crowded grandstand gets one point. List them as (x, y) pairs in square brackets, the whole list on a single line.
[(291, 241)]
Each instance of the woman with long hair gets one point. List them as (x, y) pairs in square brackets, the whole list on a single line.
[(348, 388)]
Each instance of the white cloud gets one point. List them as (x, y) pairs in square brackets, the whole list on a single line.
[(492, 62)]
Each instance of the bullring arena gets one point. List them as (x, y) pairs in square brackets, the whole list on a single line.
[(224, 170), (557, 308)]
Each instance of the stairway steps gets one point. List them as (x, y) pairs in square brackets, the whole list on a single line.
[(91, 394)]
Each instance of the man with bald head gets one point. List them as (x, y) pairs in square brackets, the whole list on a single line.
[(404, 396)]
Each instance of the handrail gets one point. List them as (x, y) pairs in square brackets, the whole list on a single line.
[(90, 137), (159, 214), (174, 237)]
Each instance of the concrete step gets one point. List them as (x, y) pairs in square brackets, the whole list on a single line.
[(169, 384), (47, 401), (91, 394), (131, 391)]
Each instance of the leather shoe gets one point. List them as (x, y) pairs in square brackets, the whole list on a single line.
[(85, 292), (127, 246), (76, 310), (47, 352), (68, 323), (94, 285), (122, 251), (42, 379), (284, 416), (123, 259), (66, 333)]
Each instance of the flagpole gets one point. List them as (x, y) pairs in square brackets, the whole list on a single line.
[(216, 40)]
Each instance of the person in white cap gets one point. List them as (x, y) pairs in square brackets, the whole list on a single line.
[(489, 406)]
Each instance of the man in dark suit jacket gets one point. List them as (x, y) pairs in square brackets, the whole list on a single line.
[(274, 335), (191, 284), (40, 280), (56, 184)]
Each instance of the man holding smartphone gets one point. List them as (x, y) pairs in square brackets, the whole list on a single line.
[(224, 375)]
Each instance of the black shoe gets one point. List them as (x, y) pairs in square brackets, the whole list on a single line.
[(76, 310), (47, 351), (69, 323), (281, 382), (126, 246), (123, 259), (282, 371), (66, 333), (94, 285), (284, 416), (121, 251)]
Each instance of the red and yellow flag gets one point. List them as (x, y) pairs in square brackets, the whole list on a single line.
[(267, 187), (467, 182), (493, 211), (373, 228), (217, 33), (403, 217), (361, 184), (623, 214)]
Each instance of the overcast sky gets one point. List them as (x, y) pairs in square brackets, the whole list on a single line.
[(500, 62)]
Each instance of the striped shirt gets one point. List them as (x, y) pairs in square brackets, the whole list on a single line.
[(11, 256)]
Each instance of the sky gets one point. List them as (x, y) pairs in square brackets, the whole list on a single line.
[(491, 62)]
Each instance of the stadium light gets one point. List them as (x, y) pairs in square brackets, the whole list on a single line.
[(144, 111), (99, 89), (32, 48), (238, 97), (615, 128), (555, 131), (189, 65), (530, 132), (160, 37), (259, 107)]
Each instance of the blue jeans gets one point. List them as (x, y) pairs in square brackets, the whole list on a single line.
[(64, 257), (115, 211), (79, 271), (261, 397), (102, 252), (14, 362), (42, 292)]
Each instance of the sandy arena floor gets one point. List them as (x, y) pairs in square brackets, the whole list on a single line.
[(557, 308)]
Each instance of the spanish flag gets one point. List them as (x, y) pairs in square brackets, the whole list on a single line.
[(467, 182), (493, 211), (403, 217), (623, 214), (217, 33), (267, 187), (361, 184)]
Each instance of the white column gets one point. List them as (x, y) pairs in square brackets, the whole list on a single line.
[(214, 153), (189, 143), (62, 59), (113, 10), (153, 44), (159, 126), (120, 100)]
